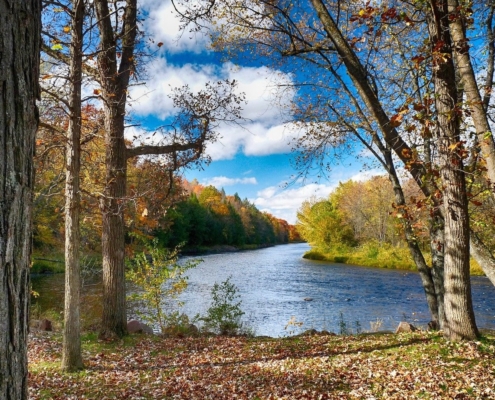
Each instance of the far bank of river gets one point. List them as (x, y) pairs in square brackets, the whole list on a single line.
[(276, 283)]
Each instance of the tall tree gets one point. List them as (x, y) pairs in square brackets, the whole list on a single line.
[(459, 313), (194, 127), (71, 352), (20, 24)]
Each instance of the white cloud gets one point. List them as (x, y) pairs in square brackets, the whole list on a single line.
[(284, 203), (363, 176), (222, 181), (264, 131), (163, 25)]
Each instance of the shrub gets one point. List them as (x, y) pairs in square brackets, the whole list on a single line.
[(160, 279), (224, 314)]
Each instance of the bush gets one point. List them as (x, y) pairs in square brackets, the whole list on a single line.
[(161, 279), (224, 314)]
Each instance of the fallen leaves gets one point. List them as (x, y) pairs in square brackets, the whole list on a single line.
[(311, 367)]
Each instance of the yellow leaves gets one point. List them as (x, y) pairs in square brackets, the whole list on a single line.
[(66, 29), (97, 92)]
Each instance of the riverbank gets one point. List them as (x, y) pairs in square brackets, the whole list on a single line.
[(405, 366), (378, 255)]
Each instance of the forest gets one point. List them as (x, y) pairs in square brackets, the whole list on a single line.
[(359, 223), (405, 85), (188, 214)]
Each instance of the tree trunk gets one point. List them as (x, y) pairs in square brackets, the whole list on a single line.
[(478, 107), (433, 288), (437, 245), (20, 24), (459, 314), (470, 87), (393, 141), (114, 80), (483, 255), (71, 353)]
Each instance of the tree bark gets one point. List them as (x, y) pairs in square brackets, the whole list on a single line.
[(478, 107), (465, 69), (20, 24), (459, 315), (114, 82), (71, 352)]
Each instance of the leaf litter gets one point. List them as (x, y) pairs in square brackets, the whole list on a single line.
[(405, 366)]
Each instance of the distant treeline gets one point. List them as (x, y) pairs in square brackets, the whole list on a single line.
[(209, 217), (174, 211)]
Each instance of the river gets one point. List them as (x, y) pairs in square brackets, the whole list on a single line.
[(276, 283)]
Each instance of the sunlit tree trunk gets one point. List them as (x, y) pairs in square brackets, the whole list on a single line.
[(459, 314), (114, 80), (478, 108), (20, 24), (71, 353)]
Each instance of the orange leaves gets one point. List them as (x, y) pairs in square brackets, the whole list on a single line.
[(311, 367), (396, 120), (417, 60)]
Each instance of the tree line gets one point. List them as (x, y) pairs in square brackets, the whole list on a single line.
[(209, 217), (360, 219)]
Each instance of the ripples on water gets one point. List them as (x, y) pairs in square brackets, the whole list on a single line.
[(274, 282)]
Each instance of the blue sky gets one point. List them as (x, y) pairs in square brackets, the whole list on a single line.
[(253, 160)]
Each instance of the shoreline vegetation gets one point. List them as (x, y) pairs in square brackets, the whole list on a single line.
[(373, 365), (54, 263), (374, 254)]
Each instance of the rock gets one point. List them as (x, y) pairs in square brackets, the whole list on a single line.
[(405, 327), (45, 325), (134, 326), (309, 332), (147, 329), (308, 299), (192, 329)]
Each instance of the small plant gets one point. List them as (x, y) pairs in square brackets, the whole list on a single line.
[(343, 329), (224, 314), (359, 330), (293, 325), (376, 325), (156, 272)]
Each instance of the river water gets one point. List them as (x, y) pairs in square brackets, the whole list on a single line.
[(276, 283)]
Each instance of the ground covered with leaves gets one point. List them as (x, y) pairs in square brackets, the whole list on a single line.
[(405, 366)]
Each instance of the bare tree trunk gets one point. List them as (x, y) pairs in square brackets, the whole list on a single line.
[(114, 81), (437, 246), (71, 353), (459, 315), (20, 24), (470, 87), (478, 107)]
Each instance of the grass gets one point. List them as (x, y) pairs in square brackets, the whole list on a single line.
[(405, 366), (373, 254)]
